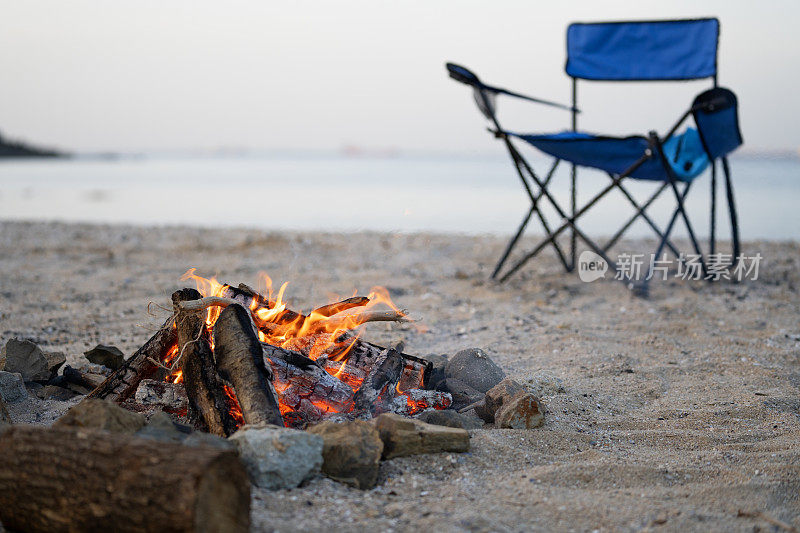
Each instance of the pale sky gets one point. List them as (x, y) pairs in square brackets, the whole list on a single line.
[(163, 75)]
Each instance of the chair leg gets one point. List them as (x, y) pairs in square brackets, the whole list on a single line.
[(664, 239), (519, 165), (712, 235), (732, 210), (569, 221), (641, 213), (679, 199), (513, 241), (573, 205)]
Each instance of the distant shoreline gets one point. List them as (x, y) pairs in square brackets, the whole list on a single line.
[(18, 149)]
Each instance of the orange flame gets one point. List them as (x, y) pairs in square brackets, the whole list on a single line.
[(234, 408)]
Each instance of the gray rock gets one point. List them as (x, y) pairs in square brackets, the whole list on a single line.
[(161, 427), (54, 392), (201, 438), (463, 395), (54, 361), (12, 387), (99, 414), (278, 458), (437, 371), (450, 418), (26, 358), (522, 411), (108, 356), (162, 393), (5, 418), (544, 384), (474, 368)]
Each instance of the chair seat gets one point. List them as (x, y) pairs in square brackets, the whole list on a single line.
[(684, 153)]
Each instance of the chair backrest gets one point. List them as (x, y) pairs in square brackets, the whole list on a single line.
[(716, 113), (643, 50)]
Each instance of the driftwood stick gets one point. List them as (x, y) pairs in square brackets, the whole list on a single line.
[(338, 307), (206, 302), (208, 404), (240, 359), (65, 479), (123, 383), (342, 317), (353, 320)]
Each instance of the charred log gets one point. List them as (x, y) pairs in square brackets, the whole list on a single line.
[(240, 360), (299, 378), (208, 403), (122, 384), (381, 379), (86, 381), (54, 480)]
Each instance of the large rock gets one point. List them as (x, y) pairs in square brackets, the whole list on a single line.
[(26, 358), (99, 414), (495, 397), (438, 362), (474, 368), (450, 418), (12, 387), (351, 453), (155, 392), (522, 411), (404, 436), (54, 361), (108, 356), (278, 458), (463, 395)]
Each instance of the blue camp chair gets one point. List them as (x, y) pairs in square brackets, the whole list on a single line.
[(670, 50)]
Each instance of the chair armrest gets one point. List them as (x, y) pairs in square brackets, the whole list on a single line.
[(466, 76)]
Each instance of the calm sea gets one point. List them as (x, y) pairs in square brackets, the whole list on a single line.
[(470, 194)]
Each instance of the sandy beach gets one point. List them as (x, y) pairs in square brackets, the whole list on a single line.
[(679, 412)]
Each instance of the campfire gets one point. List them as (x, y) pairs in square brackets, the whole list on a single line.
[(229, 356)]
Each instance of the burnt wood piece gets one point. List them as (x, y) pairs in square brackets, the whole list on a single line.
[(290, 356), (381, 379), (362, 355), (122, 384), (240, 360), (307, 381), (66, 480), (208, 403)]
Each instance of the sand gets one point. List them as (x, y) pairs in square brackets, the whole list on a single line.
[(677, 412)]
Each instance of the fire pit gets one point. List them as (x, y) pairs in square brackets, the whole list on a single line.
[(229, 356)]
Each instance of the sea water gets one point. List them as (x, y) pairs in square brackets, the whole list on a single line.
[(470, 194)]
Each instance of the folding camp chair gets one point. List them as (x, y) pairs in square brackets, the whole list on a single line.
[(628, 51)]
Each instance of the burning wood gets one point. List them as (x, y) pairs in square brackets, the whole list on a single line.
[(240, 358), (244, 357), (208, 402)]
